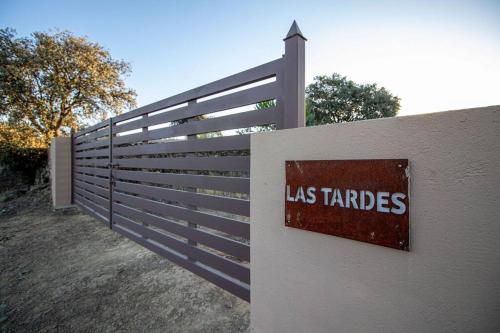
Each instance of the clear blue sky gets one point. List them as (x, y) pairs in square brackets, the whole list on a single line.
[(436, 56)]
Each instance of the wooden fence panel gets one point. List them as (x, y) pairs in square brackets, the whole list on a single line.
[(173, 176), (91, 171)]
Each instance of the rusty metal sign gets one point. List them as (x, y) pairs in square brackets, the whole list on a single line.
[(363, 200)]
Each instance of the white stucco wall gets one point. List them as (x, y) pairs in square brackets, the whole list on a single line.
[(449, 282), (60, 171)]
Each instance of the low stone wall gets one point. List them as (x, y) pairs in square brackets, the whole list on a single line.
[(449, 281)]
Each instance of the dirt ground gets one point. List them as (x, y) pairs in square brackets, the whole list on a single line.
[(67, 272)]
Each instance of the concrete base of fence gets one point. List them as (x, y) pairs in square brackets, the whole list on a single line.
[(449, 281), (60, 172)]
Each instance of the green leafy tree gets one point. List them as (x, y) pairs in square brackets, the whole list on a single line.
[(53, 82), (335, 99), (265, 104), (20, 137)]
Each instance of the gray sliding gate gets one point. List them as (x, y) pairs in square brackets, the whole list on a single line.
[(174, 175)]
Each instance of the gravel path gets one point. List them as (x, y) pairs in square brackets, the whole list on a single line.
[(67, 272)]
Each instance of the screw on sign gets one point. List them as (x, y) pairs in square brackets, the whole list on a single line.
[(363, 200)]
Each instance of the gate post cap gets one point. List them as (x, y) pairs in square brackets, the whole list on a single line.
[(294, 31)]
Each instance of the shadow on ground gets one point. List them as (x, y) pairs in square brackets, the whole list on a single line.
[(65, 271)]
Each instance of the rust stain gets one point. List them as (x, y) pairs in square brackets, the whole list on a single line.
[(364, 200)]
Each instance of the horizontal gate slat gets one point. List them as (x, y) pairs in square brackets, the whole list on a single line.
[(92, 162), (89, 211), (93, 171), (227, 184), (102, 212), (235, 142), (239, 120), (235, 100), (92, 188), (222, 264), (92, 153), (229, 226), (92, 145), (92, 136), (234, 286), (221, 163), (234, 81), (92, 128), (230, 205), (103, 182), (234, 248), (91, 196)]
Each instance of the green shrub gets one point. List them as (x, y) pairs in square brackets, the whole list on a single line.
[(22, 162)]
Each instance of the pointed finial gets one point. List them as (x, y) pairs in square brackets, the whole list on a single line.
[(294, 31)]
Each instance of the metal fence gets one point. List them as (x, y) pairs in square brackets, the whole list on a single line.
[(174, 175)]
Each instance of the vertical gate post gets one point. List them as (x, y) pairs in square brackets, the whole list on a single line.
[(192, 189), (145, 131), (294, 79), (110, 165)]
